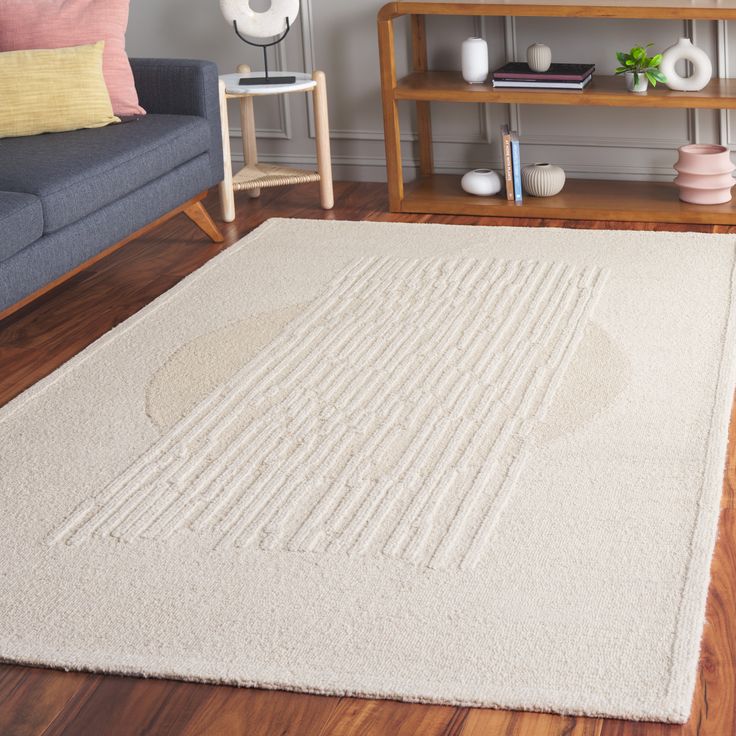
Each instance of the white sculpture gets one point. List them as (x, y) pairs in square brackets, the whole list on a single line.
[(702, 67), (271, 22)]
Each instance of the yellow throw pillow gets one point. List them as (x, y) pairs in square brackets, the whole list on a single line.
[(53, 90)]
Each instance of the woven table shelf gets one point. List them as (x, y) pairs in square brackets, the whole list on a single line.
[(259, 176)]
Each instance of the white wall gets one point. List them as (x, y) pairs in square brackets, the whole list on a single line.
[(339, 36)]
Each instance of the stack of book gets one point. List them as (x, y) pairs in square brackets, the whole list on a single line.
[(511, 163), (558, 76)]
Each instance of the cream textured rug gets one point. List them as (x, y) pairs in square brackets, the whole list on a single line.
[(461, 465)]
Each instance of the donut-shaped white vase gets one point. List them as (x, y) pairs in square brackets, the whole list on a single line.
[(702, 67), (269, 23)]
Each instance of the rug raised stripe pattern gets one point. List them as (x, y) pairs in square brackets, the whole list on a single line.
[(393, 417)]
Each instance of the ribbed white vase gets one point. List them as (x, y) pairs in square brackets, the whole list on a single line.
[(475, 60), (539, 57), (542, 180)]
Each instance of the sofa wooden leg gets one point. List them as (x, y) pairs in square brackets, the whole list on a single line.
[(197, 213)]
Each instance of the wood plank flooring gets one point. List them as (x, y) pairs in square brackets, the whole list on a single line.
[(38, 702)]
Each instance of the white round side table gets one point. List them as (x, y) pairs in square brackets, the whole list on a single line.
[(255, 176)]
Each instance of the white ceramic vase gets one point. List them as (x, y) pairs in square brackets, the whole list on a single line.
[(639, 86), (702, 67), (481, 182), (539, 57), (475, 60), (542, 180)]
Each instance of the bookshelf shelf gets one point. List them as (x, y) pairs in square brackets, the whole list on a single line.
[(581, 199), (653, 9), (606, 91)]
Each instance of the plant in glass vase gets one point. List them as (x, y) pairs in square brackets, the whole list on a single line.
[(640, 69)]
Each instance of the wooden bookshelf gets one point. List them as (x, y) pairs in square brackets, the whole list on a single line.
[(613, 200)]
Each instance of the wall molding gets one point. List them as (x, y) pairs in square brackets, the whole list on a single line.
[(690, 30), (353, 134), (284, 100), (724, 62), (512, 52), (306, 22), (285, 130)]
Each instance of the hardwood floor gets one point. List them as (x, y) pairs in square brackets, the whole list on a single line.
[(43, 335)]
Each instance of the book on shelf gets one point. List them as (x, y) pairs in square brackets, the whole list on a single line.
[(508, 170), (516, 164), (518, 84), (556, 73)]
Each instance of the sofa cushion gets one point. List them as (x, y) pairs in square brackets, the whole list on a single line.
[(21, 222), (53, 90), (76, 173), (53, 24)]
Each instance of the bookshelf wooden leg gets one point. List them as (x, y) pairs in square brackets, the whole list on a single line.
[(424, 115), (392, 132)]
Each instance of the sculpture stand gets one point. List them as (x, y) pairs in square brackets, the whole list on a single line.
[(266, 79)]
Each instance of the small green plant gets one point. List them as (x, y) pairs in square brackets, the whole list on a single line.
[(637, 62)]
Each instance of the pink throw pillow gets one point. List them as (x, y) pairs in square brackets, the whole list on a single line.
[(54, 24)]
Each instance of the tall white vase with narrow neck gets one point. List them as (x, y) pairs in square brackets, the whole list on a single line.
[(702, 67), (475, 60)]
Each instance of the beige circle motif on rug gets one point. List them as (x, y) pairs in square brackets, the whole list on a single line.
[(585, 393), (194, 370)]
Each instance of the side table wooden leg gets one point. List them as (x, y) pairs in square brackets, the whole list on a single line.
[(322, 126), (227, 197), (248, 131)]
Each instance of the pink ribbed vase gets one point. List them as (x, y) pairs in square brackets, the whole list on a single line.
[(704, 173)]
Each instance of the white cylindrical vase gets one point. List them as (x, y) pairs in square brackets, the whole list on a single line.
[(481, 182), (542, 180), (701, 64), (475, 60), (539, 57)]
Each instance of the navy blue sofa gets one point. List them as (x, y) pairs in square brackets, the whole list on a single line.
[(67, 197)]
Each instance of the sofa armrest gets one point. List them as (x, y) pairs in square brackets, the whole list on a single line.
[(182, 87)]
